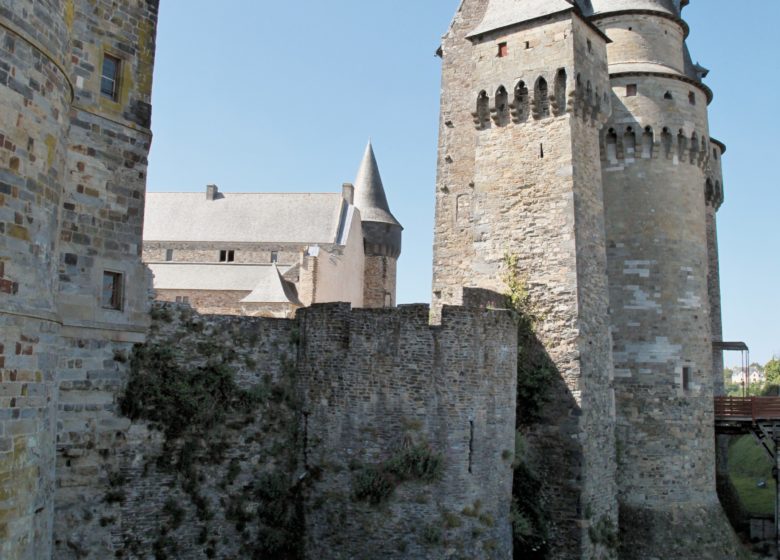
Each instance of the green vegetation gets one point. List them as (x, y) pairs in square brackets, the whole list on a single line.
[(749, 464), (604, 533), (376, 483), (184, 384), (179, 398), (535, 371)]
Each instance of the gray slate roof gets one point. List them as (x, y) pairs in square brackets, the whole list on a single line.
[(243, 217), (264, 282), (503, 13), (370, 198), (590, 7)]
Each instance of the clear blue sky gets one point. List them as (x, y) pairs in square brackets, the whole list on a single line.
[(261, 96)]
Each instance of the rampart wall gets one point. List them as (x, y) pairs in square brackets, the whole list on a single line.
[(378, 384)]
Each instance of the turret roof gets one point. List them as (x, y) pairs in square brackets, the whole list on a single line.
[(503, 13), (370, 196), (669, 7)]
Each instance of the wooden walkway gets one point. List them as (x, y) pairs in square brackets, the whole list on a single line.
[(752, 409)]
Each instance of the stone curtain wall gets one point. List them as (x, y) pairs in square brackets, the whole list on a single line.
[(378, 383), (333, 392), (123, 489)]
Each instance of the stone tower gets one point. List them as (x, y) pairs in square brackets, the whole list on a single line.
[(36, 93), (662, 185), (75, 93), (574, 139), (381, 234), (524, 94)]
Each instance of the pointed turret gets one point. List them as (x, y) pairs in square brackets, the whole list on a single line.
[(370, 196), (381, 234)]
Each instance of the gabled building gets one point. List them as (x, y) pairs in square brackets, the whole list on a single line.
[(268, 254)]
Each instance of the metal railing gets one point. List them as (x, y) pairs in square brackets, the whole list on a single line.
[(747, 408)]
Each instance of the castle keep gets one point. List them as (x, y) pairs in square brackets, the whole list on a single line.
[(576, 171), (574, 138)]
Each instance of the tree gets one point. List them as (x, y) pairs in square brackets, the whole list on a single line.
[(772, 371)]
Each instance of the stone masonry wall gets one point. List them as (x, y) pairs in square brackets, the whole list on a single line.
[(333, 388), (378, 382), (379, 281)]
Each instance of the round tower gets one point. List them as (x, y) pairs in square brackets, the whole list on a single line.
[(381, 234), (657, 174), (35, 97)]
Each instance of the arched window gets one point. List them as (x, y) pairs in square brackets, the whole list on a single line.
[(694, 155), (560, 92), (541, 99), (666, 141), (520, 106), (611, 143), (682, 143), (629, 143), (501, 108), (647, 143), (482, 114)]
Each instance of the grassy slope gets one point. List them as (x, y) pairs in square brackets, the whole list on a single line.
[(749, 463)]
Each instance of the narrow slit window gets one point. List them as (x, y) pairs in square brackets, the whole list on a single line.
[(503, 50), (111, 295), (541, 151), (109, 78), (471, 444), (528, 44), (686, 378), (274, 256), (631, 90), (169, 254)]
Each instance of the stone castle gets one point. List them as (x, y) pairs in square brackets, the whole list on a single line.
[(576, 172), (269, 254)]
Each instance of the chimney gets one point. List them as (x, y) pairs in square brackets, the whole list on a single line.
[(348, 192), (211, 192)]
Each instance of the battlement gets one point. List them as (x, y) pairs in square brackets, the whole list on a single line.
[(626, 143), (542, 101)]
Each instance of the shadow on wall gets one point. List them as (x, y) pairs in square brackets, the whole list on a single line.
[(546, 507)]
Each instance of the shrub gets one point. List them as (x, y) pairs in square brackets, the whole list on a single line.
[(376, 483)]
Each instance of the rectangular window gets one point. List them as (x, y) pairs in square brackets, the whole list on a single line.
[(227, 256), (630, 90), (274, 256), (528, 44), (686, 378), (111, 296), (169, 254), (503, 50), (109, 79), (692, 98)]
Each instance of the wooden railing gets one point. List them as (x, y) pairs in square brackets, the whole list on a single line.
[(747, 408)]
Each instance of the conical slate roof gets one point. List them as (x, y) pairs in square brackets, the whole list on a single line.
[(669, 7), (370, 196), (503, 13)]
